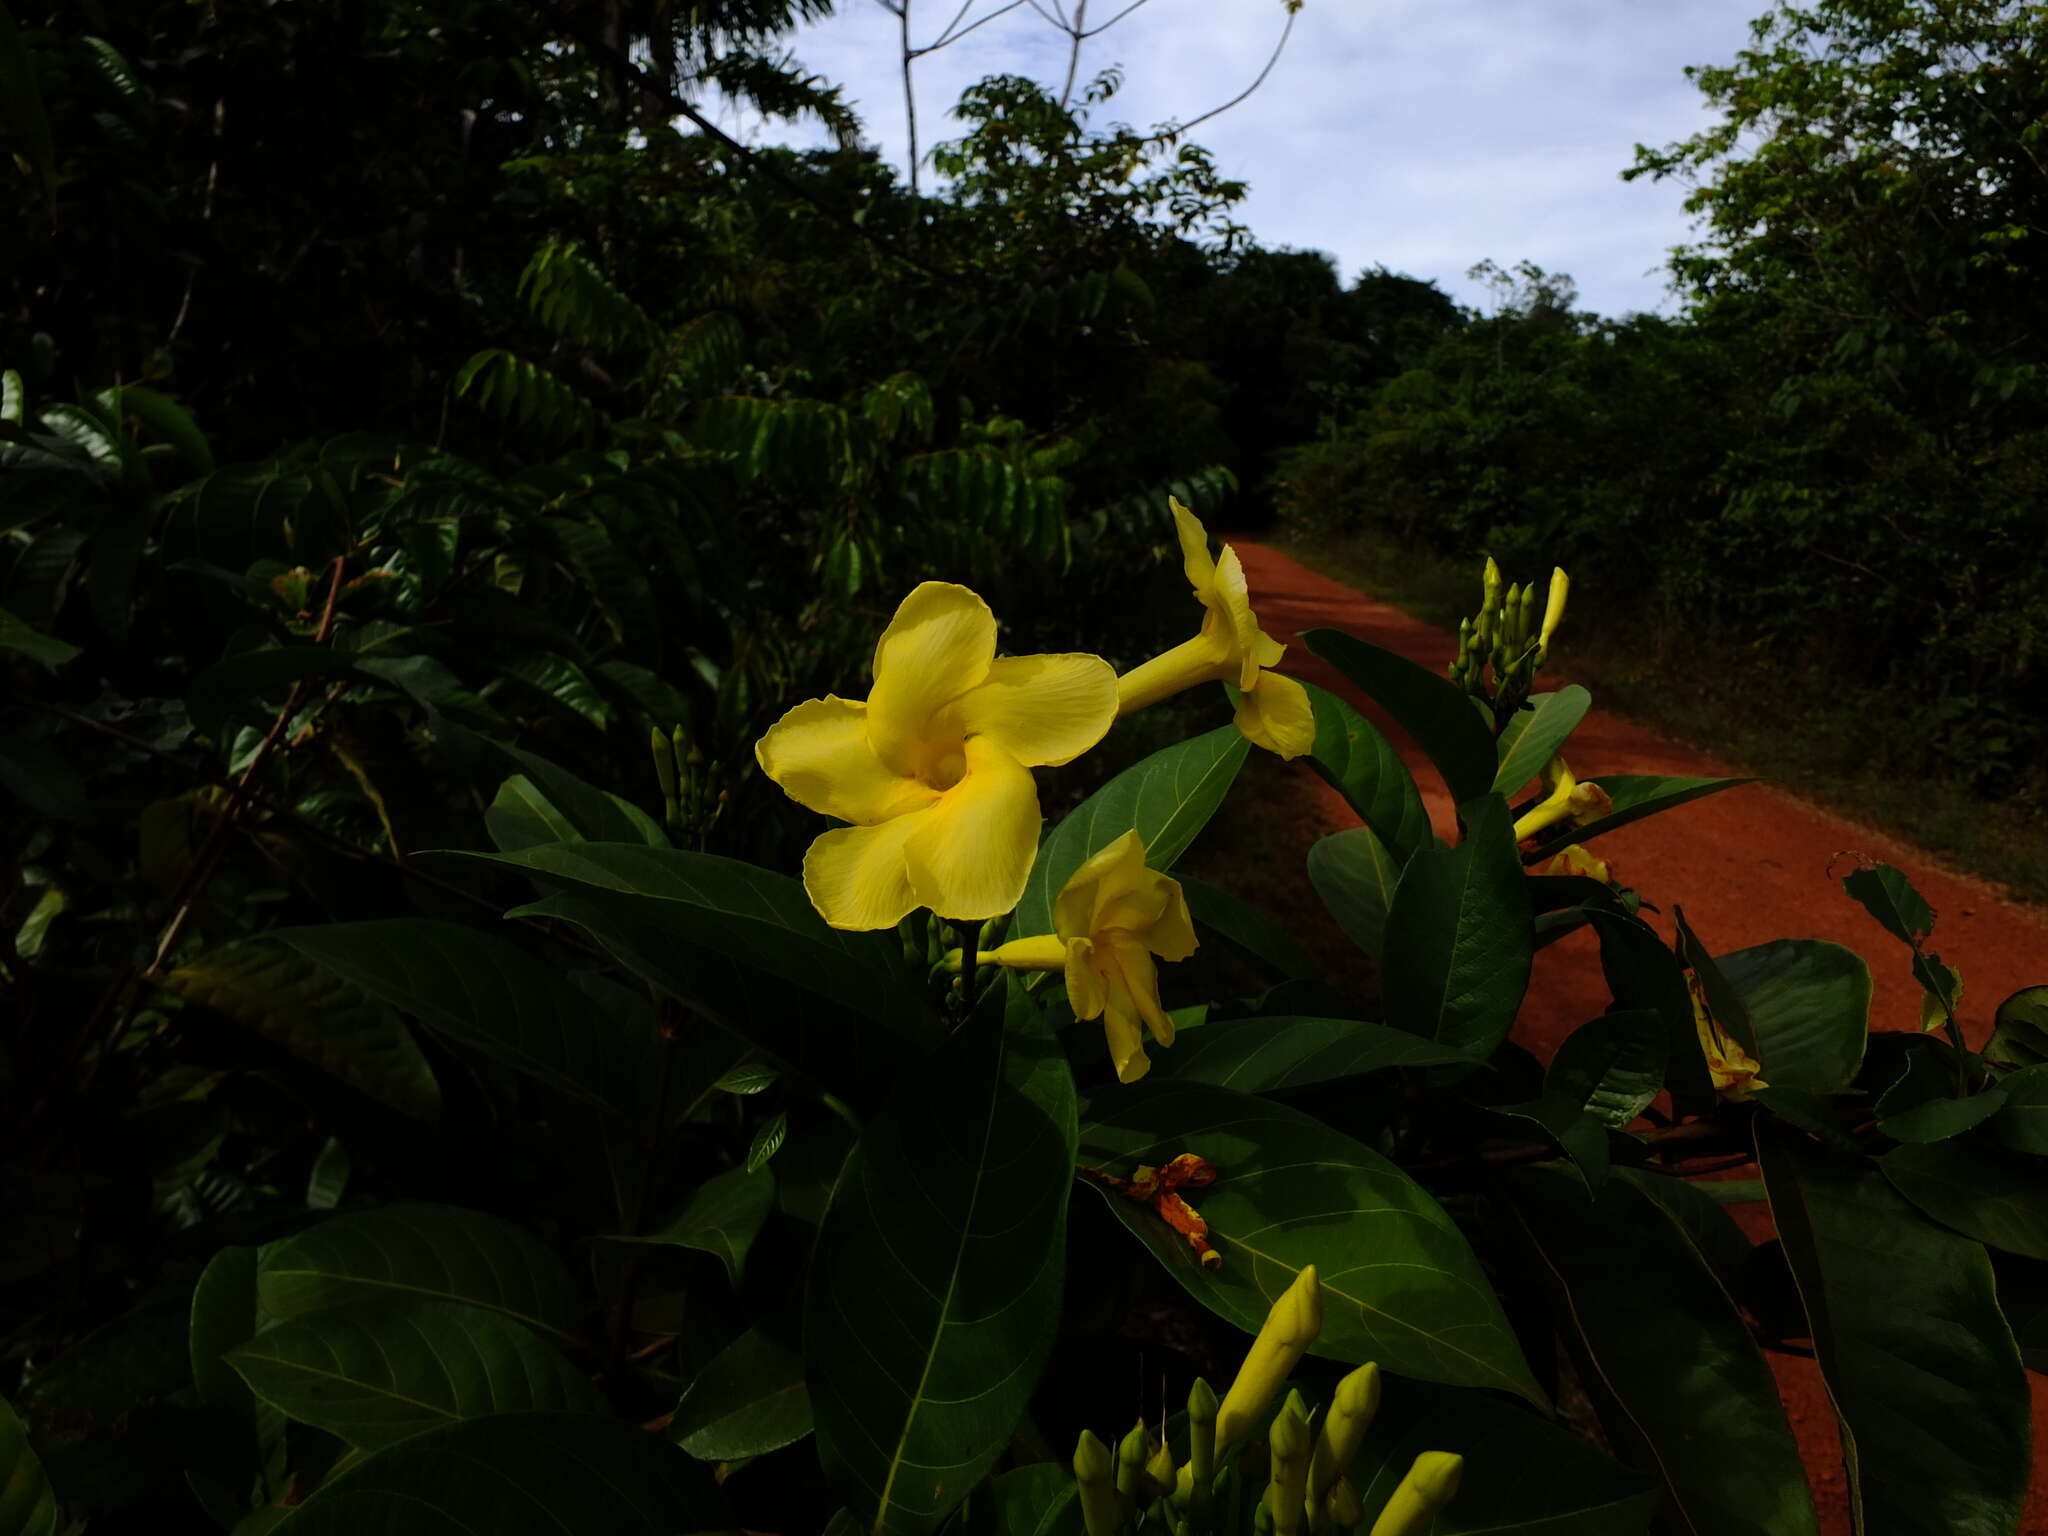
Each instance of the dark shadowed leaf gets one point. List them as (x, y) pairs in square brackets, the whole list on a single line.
[(1808, 1003), (1356, 877), (1168, 797), (1635, 795), (1980, 1189), (1245, 926), (2023, 1123), (1363, 767), (1887, 895), (27, 1506), (723, 1218), (1273, 1054), (1038, 1500), (1400, 1284), (1434, 711), (749, 1399), (1611, 1067), (1536, 736)]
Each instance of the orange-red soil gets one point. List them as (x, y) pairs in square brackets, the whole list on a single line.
[(1749, 865)]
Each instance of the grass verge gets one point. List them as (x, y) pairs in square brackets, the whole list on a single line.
[(1795, 727)]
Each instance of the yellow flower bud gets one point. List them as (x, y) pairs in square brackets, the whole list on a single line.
[(1431, 1483), (1102, 1511), (1350, 1416), (1345, 1509), (1131, 1455), (1291, 1325), (1553, 610), (1288, 1486)]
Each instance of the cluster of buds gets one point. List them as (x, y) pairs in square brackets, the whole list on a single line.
[(1505, 635), (1140, 1488), (937, 947), (692, 798)]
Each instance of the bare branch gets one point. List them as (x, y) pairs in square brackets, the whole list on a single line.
[(947, 38), (1285, 33), (1119, 16), (1077, 32)]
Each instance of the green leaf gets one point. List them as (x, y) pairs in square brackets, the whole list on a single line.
[(1039, 1500), (327, 1181), (1356, 877), (1641, 972), (2019, 1036), (1983, 1191), (1458, 942), (166, 418), (552, 805), (518, 1474), (494, 996), (1887, 895), (749, 1399), (1635, 796), (1245, 926), (767, 1141), (936, 1285), (430, 1252), (1724, 1002), (1275, 1054), (44, 650), (722, 1217), (561, 680), (1808, 1004), (1363, 767), (316, 1014), (1534, 737), (1168, 797), (1699, 1210), (1920, 1106), (2023, 1123), (378, 1372), (27, 1506), (1523, 1476), (1400, 1285), (1438, 714), (1611, 1067), (1918, 1361), (1682, 1389)]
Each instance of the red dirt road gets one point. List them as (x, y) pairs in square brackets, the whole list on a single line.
[(1749, 864)]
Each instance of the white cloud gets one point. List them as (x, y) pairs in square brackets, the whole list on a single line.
[(1425, 135)]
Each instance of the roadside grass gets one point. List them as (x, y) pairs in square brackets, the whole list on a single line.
[(1795, 727)]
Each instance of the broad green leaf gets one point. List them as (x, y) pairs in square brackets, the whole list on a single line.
[(1681, 1387), (45, 650), (1458, 944), (749, 1399), (552, 805), (1523, 1475), (1635, 796), (1433, 710), (1245, 926), (1566, 1126), (1611, 1067), (2019, 1036), (1982, 1190), (1887, 895), (1356, 877), (561, 680), (243, 1459), (1808, 1004), (1275, 1054), (1037, 1500), (382, 1370), (1922, 1105), (429, 1252), (936, 1285), (1400, 1284), (493, 995), (27, 1506), (2023, 1123), (166, 418), (1699, 1210), (723, 1217), (1537, 735), (518, 1474), (1642, 972), (1168, 797), (1363, 767), (1724, 1002), (316, 1014), (1918, 1361)]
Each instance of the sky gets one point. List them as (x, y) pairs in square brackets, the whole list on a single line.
[(1422, 135)]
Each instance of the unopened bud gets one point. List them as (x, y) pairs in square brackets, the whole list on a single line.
[(1351, 1414), (1291, 1325), (1431, 1483), (1094, 1475)]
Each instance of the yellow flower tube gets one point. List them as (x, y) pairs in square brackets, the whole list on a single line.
[(1431, 1483), (1291, 1325), (1568, 800), (1273, 711), (933, 769), (1109, 921)]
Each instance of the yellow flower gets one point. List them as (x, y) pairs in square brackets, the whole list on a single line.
[(933, 769), (1568, 801), (1291, 1325), (1731, 1069), (1109, 920), (1273, 711), (1574, 860)]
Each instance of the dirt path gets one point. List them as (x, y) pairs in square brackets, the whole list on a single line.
[(1750, 864)]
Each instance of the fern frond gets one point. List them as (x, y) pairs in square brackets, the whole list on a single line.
[(572, 298), (524, 394)]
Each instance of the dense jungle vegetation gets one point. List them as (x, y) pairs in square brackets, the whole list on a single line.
[(422, 429)]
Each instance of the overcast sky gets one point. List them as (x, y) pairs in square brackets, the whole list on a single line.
[(1425, 135)]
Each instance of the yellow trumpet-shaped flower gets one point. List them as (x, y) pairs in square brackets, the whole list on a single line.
[(1273, 711), (1734, 1073), (1291, 1325), (1568, 800), (1574, 860), (1109, 920), (933, 769), (1431, 1483)]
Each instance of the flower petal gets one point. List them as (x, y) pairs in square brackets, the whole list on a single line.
[(937, 647), (1275, 714), (1043, 710), (1141, 978), (857, 877), (1194, 550), (1234, 600), (1126, 1040), (1085, 994), (972, 851), (1110, 872), (1172, 934), (819, 753)]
